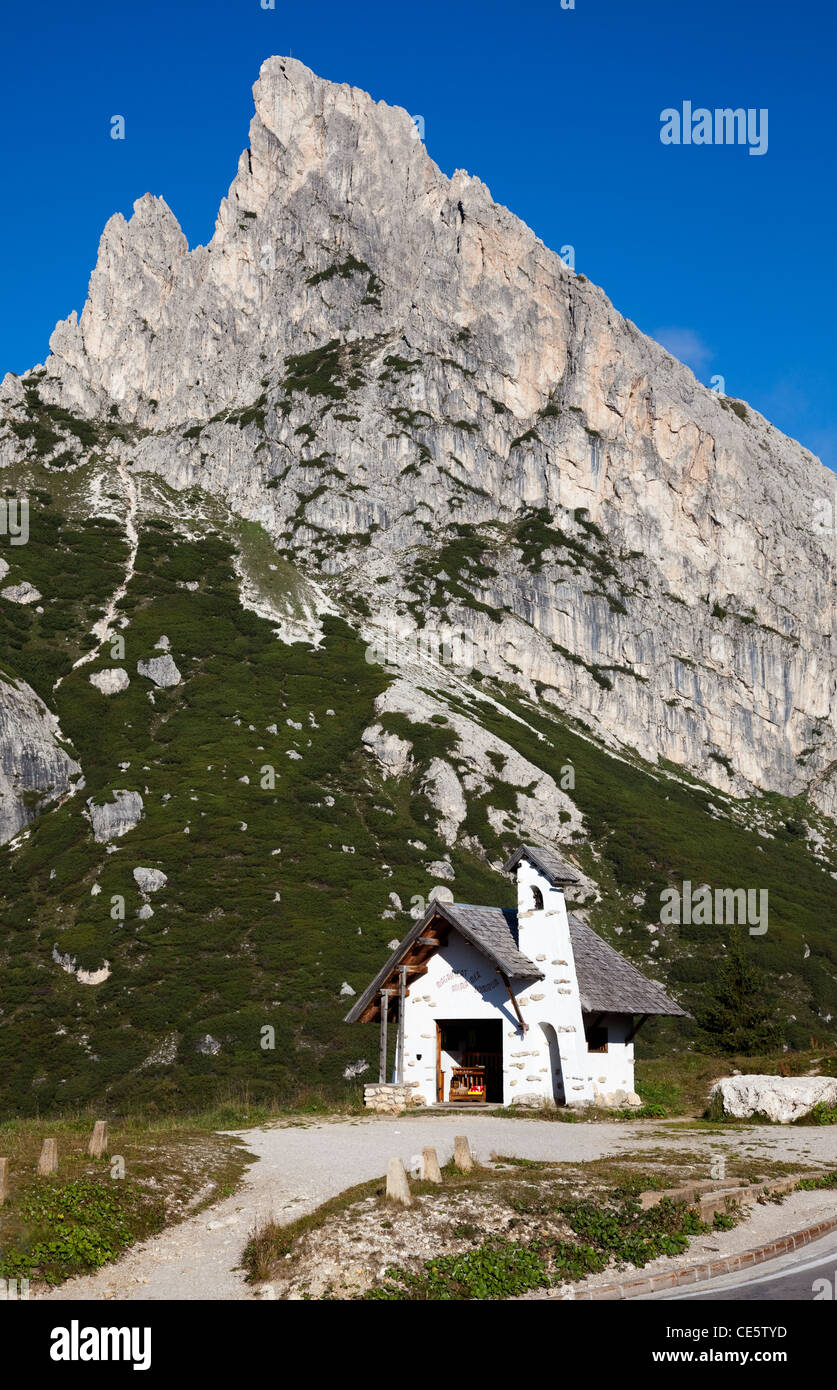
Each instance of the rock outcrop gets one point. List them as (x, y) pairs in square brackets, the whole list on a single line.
[(110, 682), (21, 593), (112, 819), (34, 768), (369, 356), (84, 977), (161, 670), (150, 880)]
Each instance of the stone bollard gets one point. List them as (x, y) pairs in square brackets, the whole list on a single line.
[(462, 1155), (398, 1187), (98, 1140), (430, 1170), (4, 1179), (48, 1161)]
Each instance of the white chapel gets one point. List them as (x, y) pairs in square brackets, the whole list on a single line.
[(504, 1007)]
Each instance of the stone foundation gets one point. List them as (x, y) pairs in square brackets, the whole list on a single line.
[(390, 1098), (617, 1100)]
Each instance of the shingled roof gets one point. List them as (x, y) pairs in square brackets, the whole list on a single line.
[(608, 983), (493, 930), (550, 864)]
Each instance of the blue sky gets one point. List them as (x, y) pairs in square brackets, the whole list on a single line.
[(726, 256)]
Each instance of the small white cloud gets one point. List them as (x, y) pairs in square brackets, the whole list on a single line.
[(686, 345)]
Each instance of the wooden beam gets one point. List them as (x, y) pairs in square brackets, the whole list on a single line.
[(524, 1026), (382, 1066), (399, 1075), (643, 1018)]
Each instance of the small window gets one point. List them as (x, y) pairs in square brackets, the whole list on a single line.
[(597, 1040), (537, 896)]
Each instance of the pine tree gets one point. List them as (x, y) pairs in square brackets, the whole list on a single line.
[(738, 1015)]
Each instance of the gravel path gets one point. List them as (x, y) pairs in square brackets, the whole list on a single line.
[(298, 1166)]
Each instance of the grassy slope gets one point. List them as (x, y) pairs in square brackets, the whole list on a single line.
[(221, 955)]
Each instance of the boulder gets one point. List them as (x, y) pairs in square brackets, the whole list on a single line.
[(110, 682), (161, 670), (150, 880), (21, 593), (781, 1098), (115, 817)]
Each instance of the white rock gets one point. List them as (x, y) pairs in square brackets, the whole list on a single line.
[(781, 1098), (356, 1069), (110, 682), (84, 977), (346, 989), (21, 593), (444, 791), (391, 752), (161, 670), (115, 818), (150, 880), (34, 769)]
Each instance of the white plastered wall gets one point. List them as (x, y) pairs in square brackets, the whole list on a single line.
[(611, 1073), (547, 1062)]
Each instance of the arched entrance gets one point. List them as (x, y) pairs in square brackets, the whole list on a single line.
[(556, 1069)]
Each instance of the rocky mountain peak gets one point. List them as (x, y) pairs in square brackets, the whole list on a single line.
[(368, 356)]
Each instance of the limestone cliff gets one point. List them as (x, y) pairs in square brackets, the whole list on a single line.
[(34, 768), (424, 406)]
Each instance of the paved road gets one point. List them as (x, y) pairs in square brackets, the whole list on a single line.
[(799, 1278), (299, 1166)]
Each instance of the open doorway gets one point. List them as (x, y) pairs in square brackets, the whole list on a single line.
[(467, 1042)]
